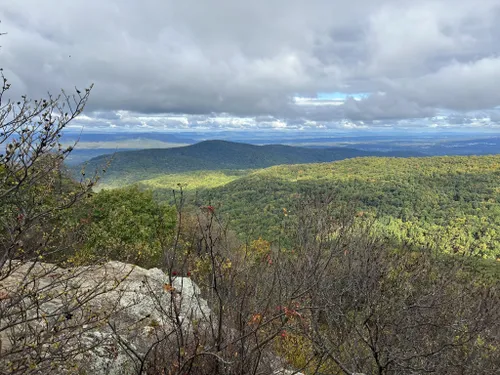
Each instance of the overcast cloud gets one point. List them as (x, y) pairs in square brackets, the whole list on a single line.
[(164, 64)]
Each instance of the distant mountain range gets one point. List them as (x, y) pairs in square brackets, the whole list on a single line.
[(131, 166)]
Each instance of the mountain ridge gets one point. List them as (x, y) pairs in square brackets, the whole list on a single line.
[(131, 166)]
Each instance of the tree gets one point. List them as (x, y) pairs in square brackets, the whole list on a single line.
[(33, 190), (127, 225), (377, 309), (41, 325)]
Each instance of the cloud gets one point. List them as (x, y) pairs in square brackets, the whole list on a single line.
[(385, 106), (460, 86), (495, 116), (161, 64)]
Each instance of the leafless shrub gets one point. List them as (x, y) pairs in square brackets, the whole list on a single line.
[(45, 311)]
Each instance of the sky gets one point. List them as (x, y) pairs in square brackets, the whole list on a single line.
[(164, 65)]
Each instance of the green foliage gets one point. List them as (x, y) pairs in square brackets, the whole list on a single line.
[(195, 180), (127, 225), (451, 204), (35, 220), (128, 167)]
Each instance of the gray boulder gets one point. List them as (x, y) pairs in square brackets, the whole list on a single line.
[(110, 317)]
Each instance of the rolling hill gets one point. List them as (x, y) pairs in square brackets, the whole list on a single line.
[(132, 166), (451, 204), (420, 201)]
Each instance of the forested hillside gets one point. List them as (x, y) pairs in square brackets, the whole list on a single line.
[(450, 203), (132, 166)]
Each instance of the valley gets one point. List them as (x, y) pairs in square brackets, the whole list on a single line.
[(448, 203)]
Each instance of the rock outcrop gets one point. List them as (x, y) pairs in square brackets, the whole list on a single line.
[(109, 317)]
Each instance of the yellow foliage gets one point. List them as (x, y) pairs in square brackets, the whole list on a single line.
[(260, 247)]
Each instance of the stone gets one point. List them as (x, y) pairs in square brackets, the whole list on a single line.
[(134, 308)]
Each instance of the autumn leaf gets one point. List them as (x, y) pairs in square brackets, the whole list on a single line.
[(168, 288), (255, 319)]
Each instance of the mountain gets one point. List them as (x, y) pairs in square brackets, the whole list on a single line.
[(131, 166)]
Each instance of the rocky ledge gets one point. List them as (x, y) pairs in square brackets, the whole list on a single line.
[(113, 319)]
